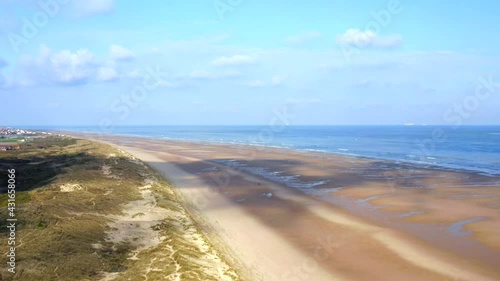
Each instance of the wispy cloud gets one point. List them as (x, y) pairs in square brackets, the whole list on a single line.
[(120, 53), (203, 74), (134, 74), (304, 37), (88, 8), (167, 84), (303, 101), (358, 38), (107, 74), (274, 81), (235, 60), (364, 83)]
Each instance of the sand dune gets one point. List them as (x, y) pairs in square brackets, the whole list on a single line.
[(328, 227)]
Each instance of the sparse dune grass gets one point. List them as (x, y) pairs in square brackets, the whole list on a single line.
[(83, 210)]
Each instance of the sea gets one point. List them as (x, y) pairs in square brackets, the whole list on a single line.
[(469, 148)]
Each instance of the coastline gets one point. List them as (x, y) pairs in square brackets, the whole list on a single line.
[(340, 153), (94, 212), (318, 210)]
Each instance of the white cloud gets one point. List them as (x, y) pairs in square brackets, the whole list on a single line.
[(88, 8), (3, 64), (275, 81), (106, 74), (304, 37), (134, 74), (364, 83), (200, 74), (302, 101), (235, 60), (155, 50), (256, 83), (166, 84), (63, 67), (368, 38), (203, 74), (117, 52)]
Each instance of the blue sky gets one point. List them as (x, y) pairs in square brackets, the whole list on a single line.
[(227, 62)]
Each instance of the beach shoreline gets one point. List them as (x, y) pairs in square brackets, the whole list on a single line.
[(258, 146), (399, 207)]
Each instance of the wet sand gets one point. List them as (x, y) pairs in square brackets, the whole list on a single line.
[(288, 215)]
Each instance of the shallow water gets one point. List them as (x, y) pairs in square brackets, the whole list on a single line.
[(457, 228), (472, 148), (411, 214)]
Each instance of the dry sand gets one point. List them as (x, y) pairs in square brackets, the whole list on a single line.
[(333, 218)]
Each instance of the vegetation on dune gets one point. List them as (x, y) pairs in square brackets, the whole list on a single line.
[(70, 191)]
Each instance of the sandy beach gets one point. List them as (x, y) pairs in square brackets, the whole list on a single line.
[(287, 215)]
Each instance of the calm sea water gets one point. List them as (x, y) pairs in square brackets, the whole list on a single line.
[(473, 148)]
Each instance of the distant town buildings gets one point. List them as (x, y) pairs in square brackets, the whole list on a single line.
[(12, 131), (10, 138)]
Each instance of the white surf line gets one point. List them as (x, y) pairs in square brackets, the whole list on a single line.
[(400, 247), (418, 257)]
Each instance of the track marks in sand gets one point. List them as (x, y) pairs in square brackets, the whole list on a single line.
[(407, 252), (381, 245), (412, 253)]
